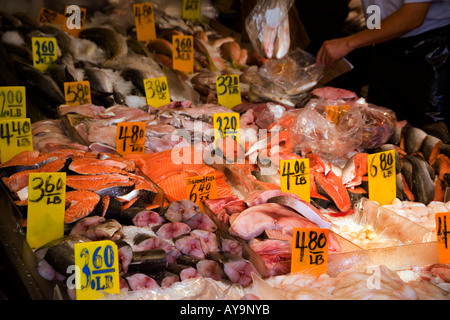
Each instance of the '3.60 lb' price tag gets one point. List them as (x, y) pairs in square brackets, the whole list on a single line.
[(294, 177), (382, 177), (77, 93), (97, 269), (130, 137), (44, 52), (183, 53), (309, 250)]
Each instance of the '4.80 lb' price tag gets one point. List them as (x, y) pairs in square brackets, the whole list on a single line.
[(46, 207), (309, 251), (15, 137), (13, 102), (144, 21), (183, 53), (294, 177), (44, 52), (442, 233), (201, 188), (97, 269), (77, 93), (228, 90), (157, 92), (130, 137), (382, 177)]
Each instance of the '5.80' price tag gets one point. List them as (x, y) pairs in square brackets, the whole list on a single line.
[(13, 102), (15, 137), (144, 21), (77, 93), (382, 177), (228, 90), (130, 137), (97, 269), (201, 188), (309, 250), (191, 9), (183, 53), (294, 177), (442, 233), (46, 207), (157, 92), (44, 52)]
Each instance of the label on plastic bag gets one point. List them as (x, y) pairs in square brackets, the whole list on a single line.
[(77, 93), (191, 9), (228, 90), (15, 137), (157, 92), (294, 178), (334, 113), (201, 188), (12, 102), (309, 251), (442, 232), (382, 177), (145, 22), (130, 138), (183, 53), (44, 52)]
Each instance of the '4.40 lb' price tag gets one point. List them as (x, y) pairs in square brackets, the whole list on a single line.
[(382, 177), (201, 188), (44, 52), (228, 90), (309, 250), (130, 137), (97, 269), (157, 92), (442, 233), (46, 207), (77, 93), (183, 53), (15, 137), (294, 177), (13, 102)]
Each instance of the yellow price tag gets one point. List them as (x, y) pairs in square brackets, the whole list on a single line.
[(130, 138), (75, 19), (309, 251), (44, 52), (226, 125), (183, 53), (382, 177), (77, 93), (47, 16), (228, 90), (144, 21), (46, 207), (15, 137), (157, 92), (13, 102), (191, 9), (97, 269), (294, 178), (201, 188), (442, 233)]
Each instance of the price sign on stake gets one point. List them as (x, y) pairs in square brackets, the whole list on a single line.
[(130, 137), (97, 269), (183, 53), (226, 125), (77, 93), (294, 177), (191, 9), (157, 92), (15, 137), (228, 90), (46, 207), (309, 251), (47, 16), (201, 188), (382, 177), (44, 52), (442, 232), (144, 21), (13, 102)]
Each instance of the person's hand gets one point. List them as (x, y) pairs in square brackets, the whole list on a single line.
[(333, 50)]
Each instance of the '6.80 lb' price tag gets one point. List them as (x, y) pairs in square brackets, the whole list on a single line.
[(13, 102), (77, 93), (144, 21), (157, 92), (309, 250), (442, 233), (15, 137), (382, 177), (97, 269), (228, 90), (294, 177), (183, 53), (44, 52), (130, 137), (201, 188), (46, 207)]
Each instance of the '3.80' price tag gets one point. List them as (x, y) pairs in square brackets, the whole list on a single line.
[(77, 93), (157, 92)]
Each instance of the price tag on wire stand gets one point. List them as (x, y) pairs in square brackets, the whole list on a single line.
[(44, 52), (46, 207), (75, 18), (201, 188), (442, 232), (47, 16), (228, 90), (191, 9), (15, 137), (97, 269), (382, 177), (130, 138), (183, 53), (157, 92), (13, 102), (309, 251), (145, 22), (77, 93), (294, 178), (226, 125)]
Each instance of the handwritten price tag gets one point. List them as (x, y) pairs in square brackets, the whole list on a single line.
[(46, 207), (226, 125), (309, 251), (183, 53), (442, 233), (228, 90), (130, 137), (191, 9), (157, 92), (294, 177), (201, 188), (77, 93), (145, 22), (47, 16), (44, 52), (75, 18), (15, 137), (382, 177), (97, 269), (13, 102)]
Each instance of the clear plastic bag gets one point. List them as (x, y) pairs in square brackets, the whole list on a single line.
[(267, 26)]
